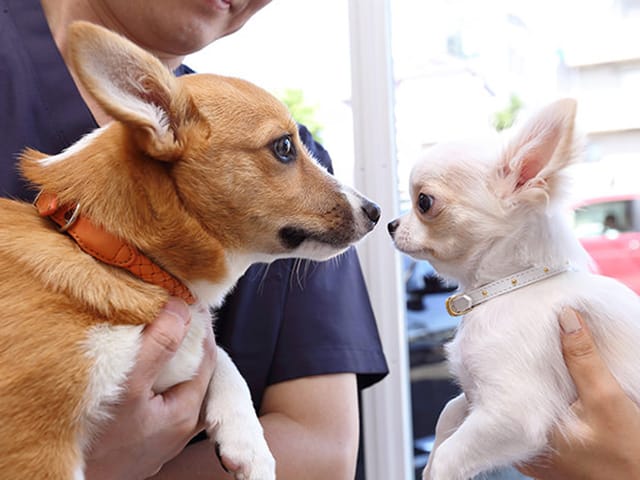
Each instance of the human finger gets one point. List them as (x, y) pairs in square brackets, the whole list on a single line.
[(586, 367), (187, 398), (159, 342)]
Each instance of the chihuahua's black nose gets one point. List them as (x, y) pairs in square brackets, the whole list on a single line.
[(392, 227), (372, 210)]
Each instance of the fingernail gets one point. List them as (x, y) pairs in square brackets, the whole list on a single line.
[(179, 308), (569, 321)]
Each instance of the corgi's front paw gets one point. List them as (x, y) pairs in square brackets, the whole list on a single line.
[(242, 449)]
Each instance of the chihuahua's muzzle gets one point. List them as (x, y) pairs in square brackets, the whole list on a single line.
[(392, 227)]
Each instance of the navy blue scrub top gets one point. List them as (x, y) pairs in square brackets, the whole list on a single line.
[(281, 322)]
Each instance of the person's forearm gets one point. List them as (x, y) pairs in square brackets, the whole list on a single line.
[(197, 461), (311, 426), (302, 453), (299, 453)]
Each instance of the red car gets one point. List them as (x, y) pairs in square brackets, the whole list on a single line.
[(609, 229)]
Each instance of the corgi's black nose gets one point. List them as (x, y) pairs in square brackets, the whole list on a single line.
[(392, 227), (372, 210)]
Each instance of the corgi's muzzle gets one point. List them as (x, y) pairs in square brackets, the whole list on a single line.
[(353, 224)]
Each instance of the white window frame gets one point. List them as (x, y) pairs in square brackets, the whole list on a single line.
[(387, 425)]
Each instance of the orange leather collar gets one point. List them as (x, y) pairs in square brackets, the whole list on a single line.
[(106, 247)]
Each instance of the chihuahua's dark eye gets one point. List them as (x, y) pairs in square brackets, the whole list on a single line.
[(425, 202), (284, 149)]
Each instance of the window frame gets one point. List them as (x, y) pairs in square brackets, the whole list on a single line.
[(386, 412)]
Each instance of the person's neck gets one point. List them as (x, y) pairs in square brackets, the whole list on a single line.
[(61, 13)]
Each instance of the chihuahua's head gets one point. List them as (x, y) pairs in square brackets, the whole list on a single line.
[(483, 210), (196, 168)]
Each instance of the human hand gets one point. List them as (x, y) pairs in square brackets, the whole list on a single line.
[(609, 443), (147, 429)]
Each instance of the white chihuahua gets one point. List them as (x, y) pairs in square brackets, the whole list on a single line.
[(492, 217)]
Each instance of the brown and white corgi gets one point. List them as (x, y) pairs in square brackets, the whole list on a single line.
[(196, 178)]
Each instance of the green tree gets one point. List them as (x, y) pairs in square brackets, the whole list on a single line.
[(301, 111), (505, 118)]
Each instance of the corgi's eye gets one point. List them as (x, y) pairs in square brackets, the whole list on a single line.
[(284, 149), (425, 202)]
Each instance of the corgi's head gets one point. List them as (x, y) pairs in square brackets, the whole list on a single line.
[(482, 210), (196, 168)]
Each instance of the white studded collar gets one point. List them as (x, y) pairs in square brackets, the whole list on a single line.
[(461, 303)]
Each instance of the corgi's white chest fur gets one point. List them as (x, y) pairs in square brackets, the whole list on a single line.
[(113, 349)]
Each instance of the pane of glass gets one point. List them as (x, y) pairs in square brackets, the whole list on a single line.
[(601, 218), (463, 68)]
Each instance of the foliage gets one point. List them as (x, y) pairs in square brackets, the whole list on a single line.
[(302, 112), (505, 118)]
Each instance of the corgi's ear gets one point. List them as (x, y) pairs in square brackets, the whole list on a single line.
[(542, 146), (133, 87)]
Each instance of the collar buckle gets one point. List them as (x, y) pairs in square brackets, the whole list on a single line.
[(459, 304), (70, 219), (48, 206)]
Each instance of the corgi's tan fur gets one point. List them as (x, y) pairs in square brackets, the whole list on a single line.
[(203, 174)]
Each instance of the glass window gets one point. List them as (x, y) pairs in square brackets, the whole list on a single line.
[(601, 218)]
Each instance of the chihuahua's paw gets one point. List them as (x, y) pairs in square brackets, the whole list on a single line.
[(443, 471), (243, 451)]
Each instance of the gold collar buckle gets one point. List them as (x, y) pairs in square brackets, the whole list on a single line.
[(459, 304)]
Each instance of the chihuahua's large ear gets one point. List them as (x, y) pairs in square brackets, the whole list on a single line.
[(133, 87), (540, 148)]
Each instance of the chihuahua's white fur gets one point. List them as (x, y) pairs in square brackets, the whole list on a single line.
[(499, 208)]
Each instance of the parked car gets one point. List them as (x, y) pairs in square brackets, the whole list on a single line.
[(609, 229)]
